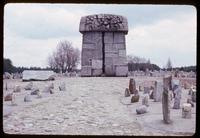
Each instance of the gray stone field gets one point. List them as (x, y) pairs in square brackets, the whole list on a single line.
[(90, 106)]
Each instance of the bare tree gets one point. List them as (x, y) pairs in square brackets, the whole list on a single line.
[(135, 59), (65, 58)]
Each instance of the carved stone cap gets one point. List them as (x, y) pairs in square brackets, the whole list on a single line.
[(103, 23)]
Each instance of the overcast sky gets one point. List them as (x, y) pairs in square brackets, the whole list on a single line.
[(156, 32)]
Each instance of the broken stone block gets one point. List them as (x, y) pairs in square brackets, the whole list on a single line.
[(17, 88), (141, 110), (141, 88), (132, 86), (29, 86), (62, 87), (151, 94), (27, 98), (145, 100), (127, 93), (186, 111), (34, 91), (8, 97), (135, 98)]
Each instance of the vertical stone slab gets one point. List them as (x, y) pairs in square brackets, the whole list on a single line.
[(132, 86), (158, 90), (166, 100), (177, 98)]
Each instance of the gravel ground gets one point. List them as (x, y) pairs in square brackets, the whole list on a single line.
[(90, 106)]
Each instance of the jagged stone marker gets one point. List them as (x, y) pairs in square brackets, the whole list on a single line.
[(166, 99), (103, 45)]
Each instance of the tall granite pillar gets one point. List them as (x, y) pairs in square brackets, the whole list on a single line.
[(103, 45), (166, 99)]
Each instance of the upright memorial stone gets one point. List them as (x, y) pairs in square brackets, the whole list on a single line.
[(103, 45), (158, 90), (166, 99), (132, 86)]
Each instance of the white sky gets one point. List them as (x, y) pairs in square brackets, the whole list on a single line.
[(157, 32)]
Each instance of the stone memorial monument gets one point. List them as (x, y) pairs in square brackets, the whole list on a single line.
[(103, 45)]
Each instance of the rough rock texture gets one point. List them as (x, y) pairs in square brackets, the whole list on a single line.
[(135, 98), (8, 97), (127, 93), (177, 97), (132, 86), (166, 100), (186, 111), (13, 101), (141, 110), (34, 91), (193, 95), (103, 45), (29, 86), (158, 90)]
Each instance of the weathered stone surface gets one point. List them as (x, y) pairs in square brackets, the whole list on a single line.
[(186, 111), (103, 45), (127, 93), (177, 98), (62, 87), (121, 70), (193, 95), (141, 88), (39, 95), (167, 81), (8, 97), (166, 100), (34, 91), (27, 98), (29, 86), (158, 90), (96, 72), (151, 94), (29, 75), (141, 110), (17, 88), (132, 86), (96, 64), (145, 100), (135, 98), (103, 22), (86, 71)]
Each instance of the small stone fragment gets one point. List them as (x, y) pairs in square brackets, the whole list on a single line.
[(145, 100), (27, 98), (34, 91), (135, 98), (186, 111), (127, 93), (190, 102), (8, 97), (29, 86), (141, 110), (62, 87)]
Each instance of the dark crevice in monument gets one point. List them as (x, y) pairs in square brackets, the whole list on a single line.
[(103, 53)]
